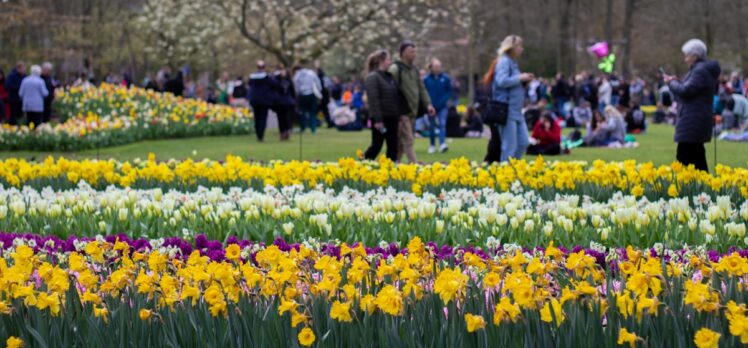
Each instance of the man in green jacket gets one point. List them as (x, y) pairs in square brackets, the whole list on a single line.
[(411, 86)]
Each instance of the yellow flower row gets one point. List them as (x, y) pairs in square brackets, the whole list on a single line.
[(510, 286), (114, 107), (629, 177)]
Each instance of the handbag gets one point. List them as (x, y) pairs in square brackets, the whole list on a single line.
[(493, 112), (496, 113)]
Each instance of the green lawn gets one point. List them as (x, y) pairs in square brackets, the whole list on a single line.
[(328, 145)]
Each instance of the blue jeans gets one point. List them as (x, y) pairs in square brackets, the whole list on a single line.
[(560, 103), (440, 117), (514, 139)]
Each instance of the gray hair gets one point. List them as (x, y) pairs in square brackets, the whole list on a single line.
[(695, 47), (36, 70), (47, 65)]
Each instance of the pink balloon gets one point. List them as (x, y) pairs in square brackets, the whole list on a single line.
[(600, 49)]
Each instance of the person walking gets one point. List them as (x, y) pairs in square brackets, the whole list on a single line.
[(32, 93), (413, 98), (382, 96), (51, 85), (439, 87), (694, 93), (262, 96), (285, 105), (175, 85), (507, 88), (12, 86), (604, 93), (324, 102), (4, 107), (309, 93), (561, 93)]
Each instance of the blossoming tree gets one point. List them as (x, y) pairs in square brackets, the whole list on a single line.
[(289, 30)]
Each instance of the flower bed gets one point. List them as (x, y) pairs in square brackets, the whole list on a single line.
[(237, 253), (455, 217), (599, 180), (114, 115), (171, 292)]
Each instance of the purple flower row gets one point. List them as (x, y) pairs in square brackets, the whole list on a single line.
[(215, 249)]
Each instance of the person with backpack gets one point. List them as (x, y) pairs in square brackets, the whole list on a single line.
[(414, 99), (285, 105), (382, 96)]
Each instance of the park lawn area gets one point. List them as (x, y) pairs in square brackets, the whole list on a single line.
[(328, 145)]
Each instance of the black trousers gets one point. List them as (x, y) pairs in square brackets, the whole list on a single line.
[(325, 110), (285, 114), (692, 153), (16, 112), (377, 139), (35, 117), (493, 152), (550, 149), (261, 120), (47, 110)]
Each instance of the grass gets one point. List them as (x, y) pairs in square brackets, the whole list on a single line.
[(328, 145)]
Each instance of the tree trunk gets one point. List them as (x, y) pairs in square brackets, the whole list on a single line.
[(628, 23), (742, 34), (471, 53), (507, 19), (591, 12), (707, 17), (574, 18), (564, 33), (609, 21)]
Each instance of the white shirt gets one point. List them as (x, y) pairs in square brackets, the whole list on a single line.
[(306, 81), (605, 93)]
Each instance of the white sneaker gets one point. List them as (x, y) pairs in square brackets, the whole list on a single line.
[(443, 148), (432, 149)]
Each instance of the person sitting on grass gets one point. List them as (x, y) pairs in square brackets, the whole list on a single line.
[(738, 105), (581, 115), (546, 137), (608, 130), (660, 114), (473, 123), (636, 123)]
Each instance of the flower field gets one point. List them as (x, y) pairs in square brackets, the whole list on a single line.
[(351, 253), (114, 115)]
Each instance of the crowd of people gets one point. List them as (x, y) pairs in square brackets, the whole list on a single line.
[(27, 98), (398, 101), (607, 110)]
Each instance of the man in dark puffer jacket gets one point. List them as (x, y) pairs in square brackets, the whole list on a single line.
[(695, 94)]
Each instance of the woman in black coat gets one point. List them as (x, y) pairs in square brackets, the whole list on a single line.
[(382, 98), (285, 105), (695, 95)]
